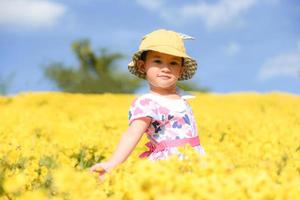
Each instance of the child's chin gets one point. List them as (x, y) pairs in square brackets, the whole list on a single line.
[(166, 86), (163, 84)]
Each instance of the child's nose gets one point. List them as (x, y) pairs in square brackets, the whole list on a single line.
[(165, 68)]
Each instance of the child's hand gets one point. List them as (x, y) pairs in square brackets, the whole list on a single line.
[(101, 168)]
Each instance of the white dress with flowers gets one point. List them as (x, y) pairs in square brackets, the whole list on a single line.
[(171, 119)]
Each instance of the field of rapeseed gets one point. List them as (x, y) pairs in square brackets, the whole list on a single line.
[(48, 141)]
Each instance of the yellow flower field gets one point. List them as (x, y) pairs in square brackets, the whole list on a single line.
[(48, 141)]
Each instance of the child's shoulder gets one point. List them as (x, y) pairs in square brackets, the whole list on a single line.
[(143, 96), (143, 99)]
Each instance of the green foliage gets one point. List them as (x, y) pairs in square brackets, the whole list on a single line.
[(191, 86), (98, 73), (86, 157), (5, 82), (95, 74)]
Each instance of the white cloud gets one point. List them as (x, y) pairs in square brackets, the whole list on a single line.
[(151, 5), (218, 14), (30, 13), (286, 64), (213, 15), (232, 49)]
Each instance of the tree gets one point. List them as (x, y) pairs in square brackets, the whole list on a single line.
[(191, 86), (95, 74), (5, 82), (98, 73)]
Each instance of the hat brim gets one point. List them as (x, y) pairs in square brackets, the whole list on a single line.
[(189, 63)]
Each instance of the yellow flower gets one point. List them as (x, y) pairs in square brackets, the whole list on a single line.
[(251, 142), (14, 183)]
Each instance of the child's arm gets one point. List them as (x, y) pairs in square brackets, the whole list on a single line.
[(129, 140)]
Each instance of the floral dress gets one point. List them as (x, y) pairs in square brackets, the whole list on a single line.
[(171, 119)]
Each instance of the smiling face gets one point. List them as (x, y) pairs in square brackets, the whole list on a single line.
[(162, 70)]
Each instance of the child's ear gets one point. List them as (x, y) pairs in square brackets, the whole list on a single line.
[(181, 70), (182, 67), (140, 66)]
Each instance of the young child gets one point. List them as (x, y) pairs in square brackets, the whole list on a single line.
[(163, 113)]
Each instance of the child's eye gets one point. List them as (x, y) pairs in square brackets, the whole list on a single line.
[(174, 63), (157, 61)]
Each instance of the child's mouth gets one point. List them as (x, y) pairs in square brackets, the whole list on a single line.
[(164, 77)]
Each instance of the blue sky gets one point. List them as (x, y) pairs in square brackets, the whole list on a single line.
[(241, 45)]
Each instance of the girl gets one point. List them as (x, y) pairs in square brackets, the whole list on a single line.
[(163, 113)]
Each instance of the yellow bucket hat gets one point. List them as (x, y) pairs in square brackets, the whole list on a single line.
[(168, 42)]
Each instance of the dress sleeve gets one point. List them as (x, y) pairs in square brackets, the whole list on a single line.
[(141, 107)]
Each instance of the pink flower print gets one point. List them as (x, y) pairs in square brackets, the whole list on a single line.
[(137, 111), (145, 101), (190, 134), (163, 111), (168, 125), (178, 123)]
